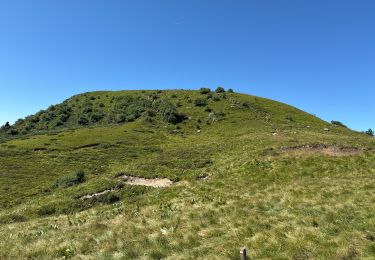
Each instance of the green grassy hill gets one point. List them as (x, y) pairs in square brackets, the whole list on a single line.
[(246, 171)]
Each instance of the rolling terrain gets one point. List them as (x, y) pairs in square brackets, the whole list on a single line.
[(180, 174)]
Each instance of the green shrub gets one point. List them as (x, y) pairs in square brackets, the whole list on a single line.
[(205, 90), (13, 132), (47, 210), (131, 118), (220, 90), (96, 117), (80, 176), (338, 123), (216, 98), (120, 118), (5, 127), (83, 121), (174, 117), (169, 112), (200, 102), (57, 123), (246, 104), (108, 198), (289, 118), (63, 117), (69, 180), (370, 132), (151, 113), (230, 90), (87, 109)]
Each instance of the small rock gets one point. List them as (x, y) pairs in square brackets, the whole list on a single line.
[(198, 131), (326, 129)]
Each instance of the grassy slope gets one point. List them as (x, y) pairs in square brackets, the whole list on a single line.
[(234, 187)]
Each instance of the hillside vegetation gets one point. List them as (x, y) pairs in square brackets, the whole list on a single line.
[(241, 171)]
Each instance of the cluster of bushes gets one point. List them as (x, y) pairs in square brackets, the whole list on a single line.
[(86, 110), (51, 118), (128, 108), (70, 180), (218, 90), (169, 112), (200, 102), (81, 111)]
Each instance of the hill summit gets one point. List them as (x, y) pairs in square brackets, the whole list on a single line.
[(187, 174)]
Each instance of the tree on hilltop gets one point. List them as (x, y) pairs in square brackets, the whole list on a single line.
[(370, 132)]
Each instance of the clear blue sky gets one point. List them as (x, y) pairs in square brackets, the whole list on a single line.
[(318, 55)]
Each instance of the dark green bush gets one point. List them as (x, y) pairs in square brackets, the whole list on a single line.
[(47, 210), (230, 90), (205, 90), (151, 113), (200, 102), (87, 110), (69, 180), (57, 123), (5, 127), (370, 132), (246, 104), (83, 121), (108, 198), (131, 118), (172, 116), (220, 90), (13, 132), (120, 118), (80, 176), (96, 117), (216, 98), (64, 117), (338, 123), (289, 118)]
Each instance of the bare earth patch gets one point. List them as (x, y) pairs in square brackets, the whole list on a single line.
[(94, 195), (156, 182), (324, 149), (132, 180)]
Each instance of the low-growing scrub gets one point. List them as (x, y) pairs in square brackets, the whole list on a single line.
[(200, 102), (12, 218), (69, 180), (205, 90), (338, 123)]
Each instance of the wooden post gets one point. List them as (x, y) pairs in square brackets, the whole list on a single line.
[(243, 253)]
